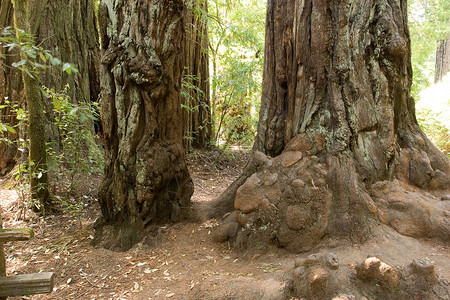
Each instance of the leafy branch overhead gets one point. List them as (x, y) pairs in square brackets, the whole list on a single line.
[(34, 58)]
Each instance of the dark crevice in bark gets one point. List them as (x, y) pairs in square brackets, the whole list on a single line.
[(146, 180), (356, 134)]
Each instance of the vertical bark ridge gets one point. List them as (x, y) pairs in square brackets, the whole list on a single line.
[(11, 86), (197, 119), (146, 178), (337, 125)]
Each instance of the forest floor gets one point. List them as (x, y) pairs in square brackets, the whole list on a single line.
[(184, 263)]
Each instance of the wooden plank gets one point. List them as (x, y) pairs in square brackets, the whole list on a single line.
[(17, 234), (27, 284)]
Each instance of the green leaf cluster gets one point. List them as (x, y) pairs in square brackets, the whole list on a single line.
[(236, 46), (34, 58), (80, 153), (429, 23)]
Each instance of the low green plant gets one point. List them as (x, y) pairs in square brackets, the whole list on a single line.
[(32, 60), (76, 152), (436, 131), (79, 152), (74, 208)]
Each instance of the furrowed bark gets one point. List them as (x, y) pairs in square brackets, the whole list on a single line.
[(146, 178), (337, 126)]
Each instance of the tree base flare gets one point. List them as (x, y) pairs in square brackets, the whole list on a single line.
[(294, 200)]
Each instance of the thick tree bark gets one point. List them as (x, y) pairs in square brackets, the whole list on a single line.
[(442, 60), (197, 118), (338, 119), (36, 123), (146, 178), (11, 87), (68, 29)]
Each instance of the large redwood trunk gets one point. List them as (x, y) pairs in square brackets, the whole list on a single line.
[(68, 29), (338, 141), (11, 87), (196, 98), (146, 179)]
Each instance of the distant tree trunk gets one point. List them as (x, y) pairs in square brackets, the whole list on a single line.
[(68, 29), (338, 119), (197, 119), (11, 87), (146, 178), (36, 123), (442, 60)]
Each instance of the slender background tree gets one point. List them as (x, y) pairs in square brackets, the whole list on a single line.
[(195, 82), (442, 60), (36, 124)]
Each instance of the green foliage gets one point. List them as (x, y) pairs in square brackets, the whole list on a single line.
[(192, 95), (236, 32), (35, 58), (80, 154), (429, 22), (75, 208), (191, 92), (437, 132)]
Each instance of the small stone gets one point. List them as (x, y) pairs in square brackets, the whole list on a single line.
[(225, 232), (288, 158), (271, 179), (318, 279), (332, 261), (249, 196), (445, 198), (298, 184), (313, 259), (333, 244), (299, 271), (373, 269), (423, 265)]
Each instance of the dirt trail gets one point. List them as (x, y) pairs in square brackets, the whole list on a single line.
[(180, 261)]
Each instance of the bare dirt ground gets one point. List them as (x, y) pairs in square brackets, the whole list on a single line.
[(182, 262)]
